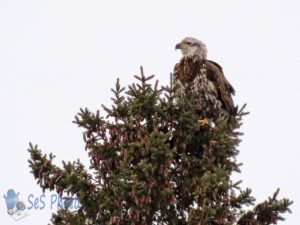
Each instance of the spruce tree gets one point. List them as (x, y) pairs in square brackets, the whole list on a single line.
[(151, 163)]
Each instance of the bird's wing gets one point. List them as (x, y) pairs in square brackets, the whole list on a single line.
[(225, 89)]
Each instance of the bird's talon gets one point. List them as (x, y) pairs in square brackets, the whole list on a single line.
[(203, 122)]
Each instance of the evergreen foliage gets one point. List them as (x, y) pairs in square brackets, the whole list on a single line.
[(151, 163)]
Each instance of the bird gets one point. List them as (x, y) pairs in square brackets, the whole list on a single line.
[(203, 81)]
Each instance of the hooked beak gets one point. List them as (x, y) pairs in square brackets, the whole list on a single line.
[(178, 46)]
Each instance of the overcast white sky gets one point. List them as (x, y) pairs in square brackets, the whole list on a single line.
[(57, 56)]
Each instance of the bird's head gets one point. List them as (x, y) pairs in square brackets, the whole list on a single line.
[(191, 47)]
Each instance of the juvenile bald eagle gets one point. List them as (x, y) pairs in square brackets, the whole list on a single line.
[(204, 81)]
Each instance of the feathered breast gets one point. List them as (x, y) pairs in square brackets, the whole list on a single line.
[(187, 69), (190, 67)]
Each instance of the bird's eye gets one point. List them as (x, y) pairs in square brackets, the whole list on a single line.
[(188, 43)]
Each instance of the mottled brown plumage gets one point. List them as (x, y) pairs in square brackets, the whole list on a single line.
[(204, 81), (225, 89)]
